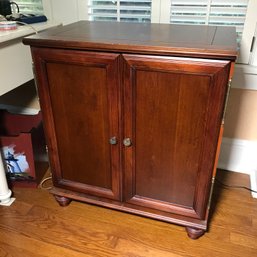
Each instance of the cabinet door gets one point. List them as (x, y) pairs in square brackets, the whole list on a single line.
[(173, 111), (79, 93)]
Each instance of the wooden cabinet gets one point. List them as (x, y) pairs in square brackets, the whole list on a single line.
[(134, 123)]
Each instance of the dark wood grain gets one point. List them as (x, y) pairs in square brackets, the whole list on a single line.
[(165, 39)]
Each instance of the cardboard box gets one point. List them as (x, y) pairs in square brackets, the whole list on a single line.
[(22, 142)]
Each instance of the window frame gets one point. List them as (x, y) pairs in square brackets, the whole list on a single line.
[(245, 55)]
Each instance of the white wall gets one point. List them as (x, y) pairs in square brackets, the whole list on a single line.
[(65, 11)]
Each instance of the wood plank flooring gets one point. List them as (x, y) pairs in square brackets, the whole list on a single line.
[(35, 226)]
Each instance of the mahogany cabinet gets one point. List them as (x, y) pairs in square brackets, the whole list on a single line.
[(133, 115)]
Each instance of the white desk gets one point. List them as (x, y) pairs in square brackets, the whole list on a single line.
[(15, 70), (15, 58)]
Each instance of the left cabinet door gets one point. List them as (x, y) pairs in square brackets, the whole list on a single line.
[(79, 97)]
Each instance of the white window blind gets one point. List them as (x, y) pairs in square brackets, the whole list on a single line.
[(213, 12), (30, 6), (120, 10)]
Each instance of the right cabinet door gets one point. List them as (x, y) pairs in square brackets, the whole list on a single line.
[(173, 110)]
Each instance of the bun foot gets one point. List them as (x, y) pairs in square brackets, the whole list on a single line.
[(62, 200), (194, 233)]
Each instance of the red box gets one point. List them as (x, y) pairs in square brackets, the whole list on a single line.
[(22, 141)]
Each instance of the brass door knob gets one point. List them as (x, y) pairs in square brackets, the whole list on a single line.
[(113, 140), (127, 142)]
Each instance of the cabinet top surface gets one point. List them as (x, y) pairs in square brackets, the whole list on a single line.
[(145, 38)]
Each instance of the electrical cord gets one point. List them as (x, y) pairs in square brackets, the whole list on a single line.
[(26, 24), (235, 186), (41, 185), (17, 6)]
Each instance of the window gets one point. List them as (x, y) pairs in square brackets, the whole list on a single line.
[(213, 12), (120, 10), (30, 6)]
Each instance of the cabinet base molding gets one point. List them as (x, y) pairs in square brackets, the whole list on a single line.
[(194, 227)]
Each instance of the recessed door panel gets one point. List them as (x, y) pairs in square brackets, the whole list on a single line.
[(170, 122)]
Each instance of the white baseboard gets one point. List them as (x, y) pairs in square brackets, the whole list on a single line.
[(253, 179), (240, 156)]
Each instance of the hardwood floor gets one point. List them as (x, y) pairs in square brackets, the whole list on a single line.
[(36, 226)]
